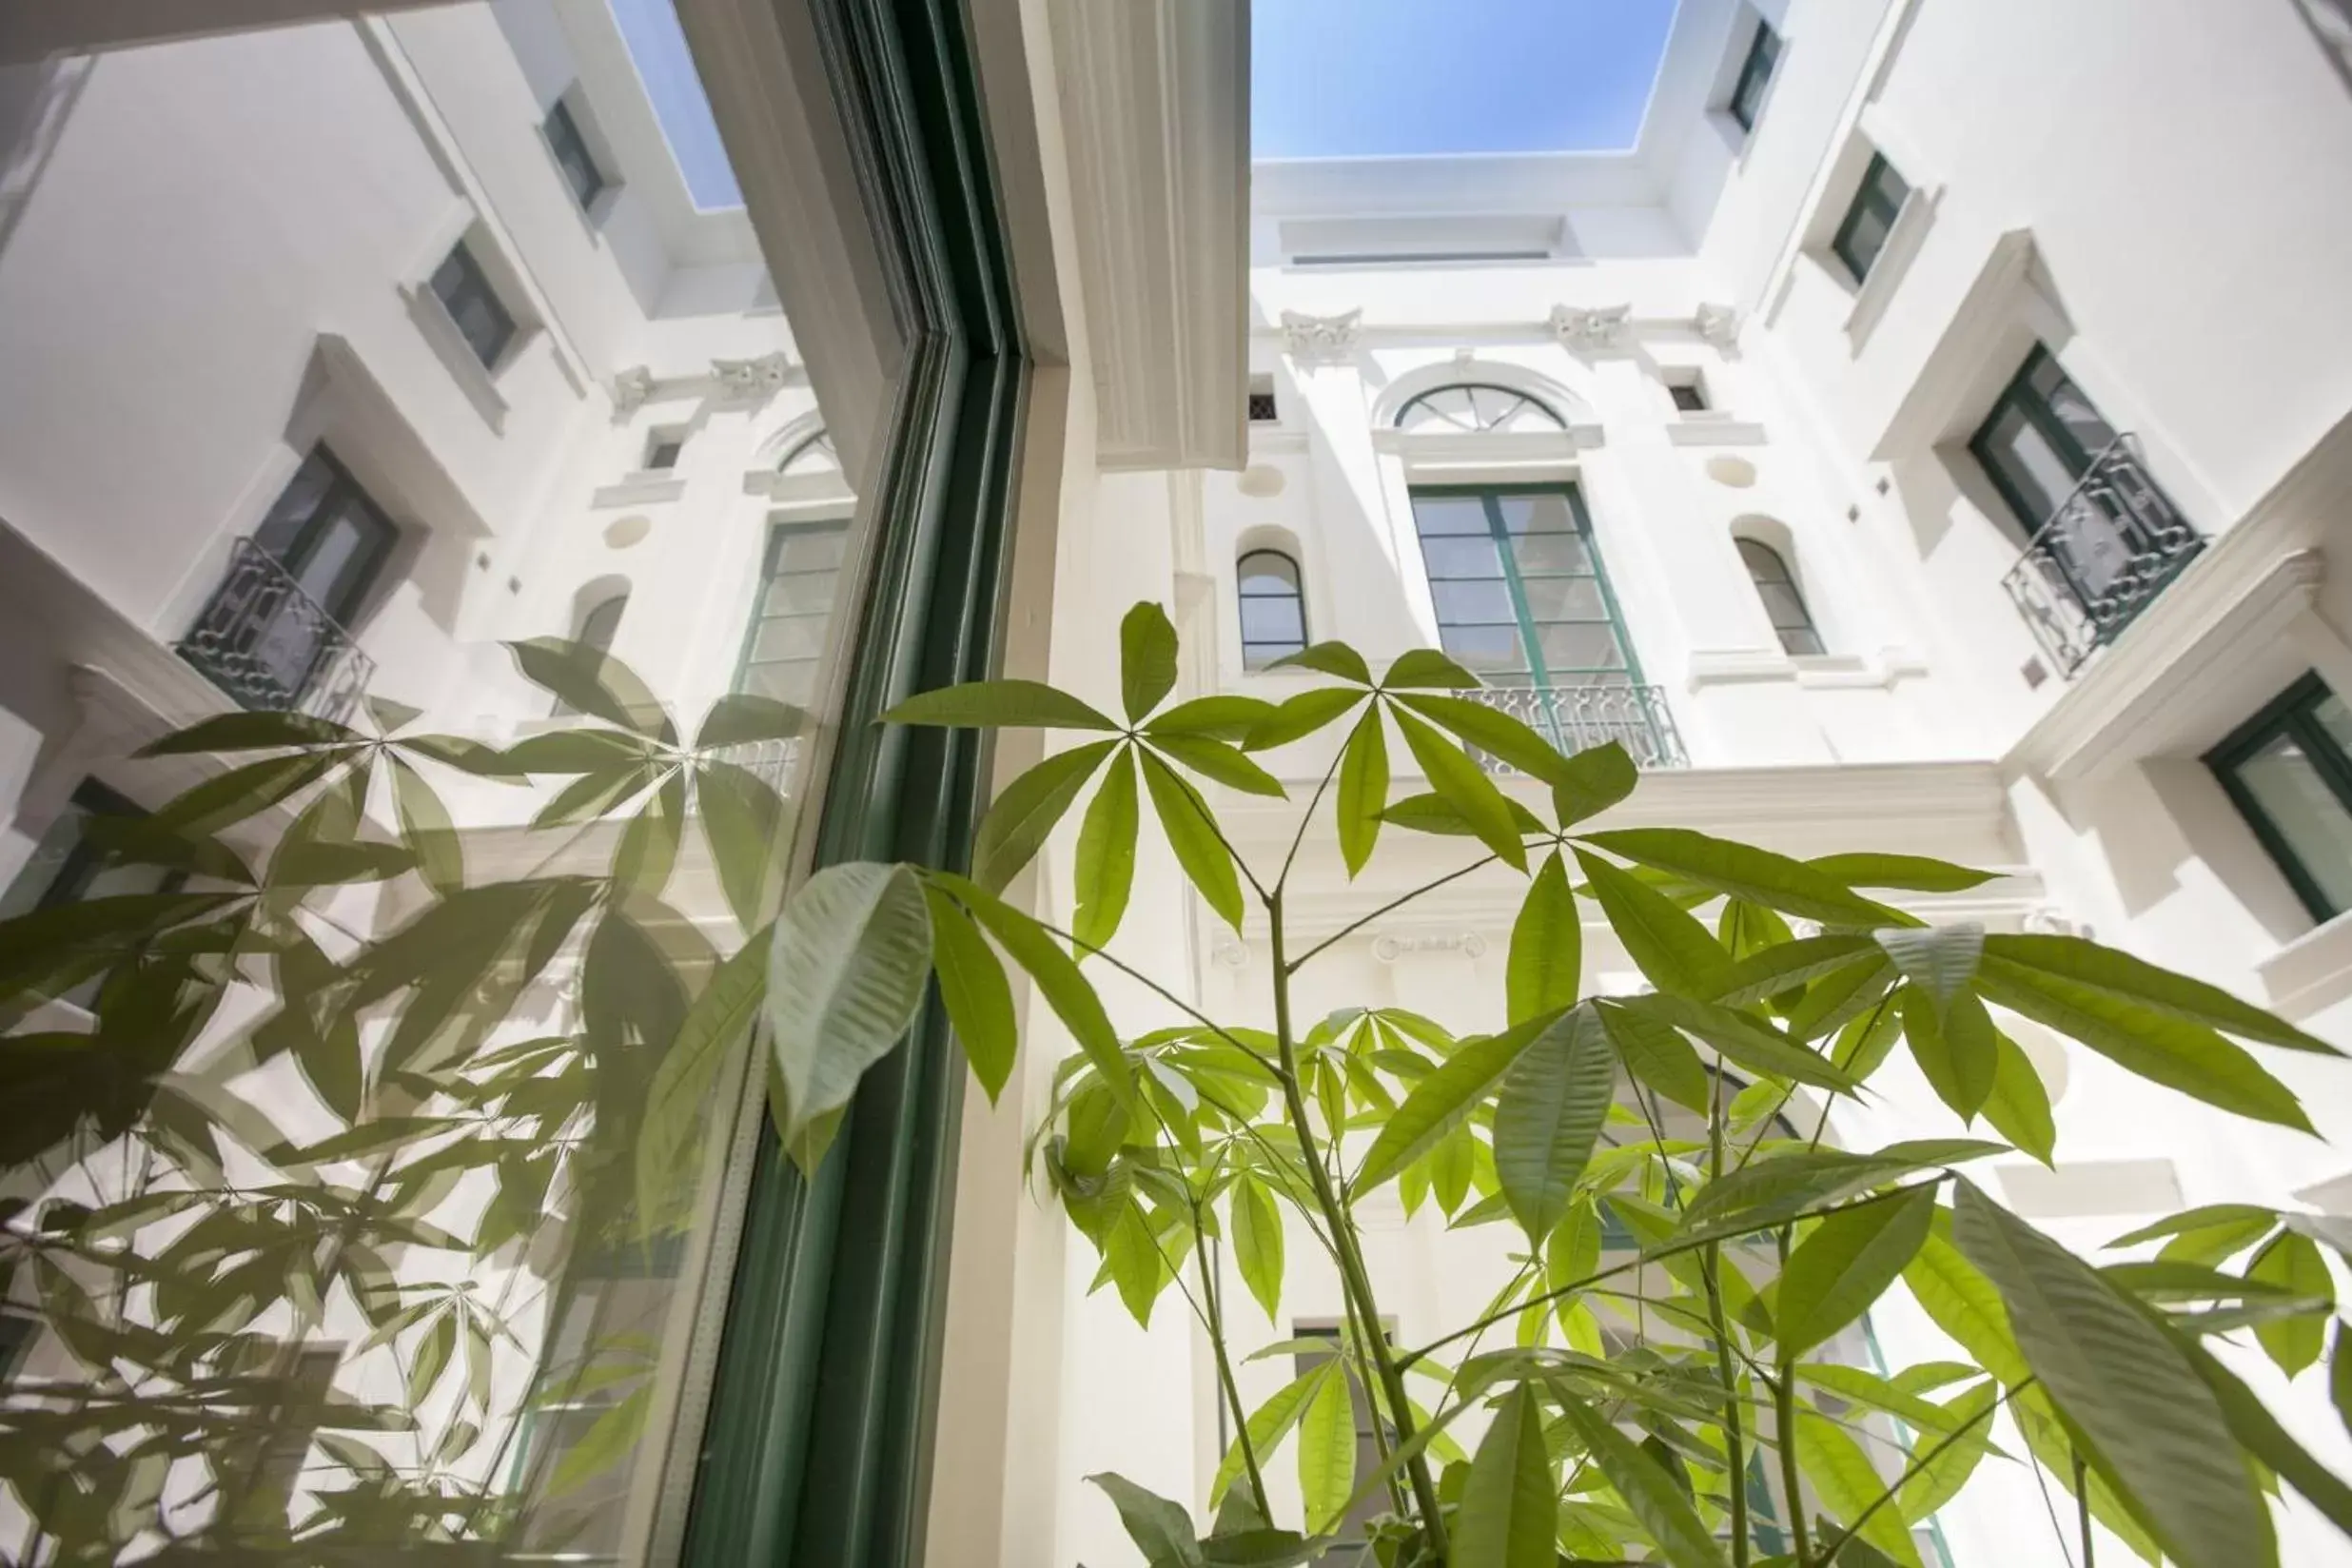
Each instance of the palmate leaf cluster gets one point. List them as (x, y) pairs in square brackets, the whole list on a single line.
[(1673, 1361), (317, 1161)]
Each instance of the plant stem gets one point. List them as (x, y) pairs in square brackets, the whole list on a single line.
[(1735, 1444), (1354, 1279), (2082, 1502), (1214, 1317), (1784, 1417), (1829, 1559)]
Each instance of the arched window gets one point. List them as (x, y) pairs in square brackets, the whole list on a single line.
[(1273, 609), (1776, 586), (1477, 407), (598, 620), (815, 454)]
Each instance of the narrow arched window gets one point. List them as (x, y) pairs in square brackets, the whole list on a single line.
[(598, 622), (1273, 609), (1783, 601)]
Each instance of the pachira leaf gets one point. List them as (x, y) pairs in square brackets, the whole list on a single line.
[(582, 750), (2163, 1048), (1549, 1116), (1494, 731), (2018, 1107), (1742, 870), (742, 717), (1786, 965), (1328, 1451), (1657, 1055), (1845, 1265), (1666, 942), (1026, 809), (2291, 1263), (1589, 781), (1773, 1192), (242, 791), (587, 679), (746, 824), (2087, 963), (1847, 1483), (677, 1097), (1665, 1510), (1442, 1102), (648, 847), (1510, 1502), (1330, 658), (1958, 1053), (1214, 759), (1429, 668), (1940, 961), (999, 705), (1191, 832), (1902, 873), (846, 972), (1363, 790), (1147, 660), (2144, 1419), (1057, 976), (974, 988), (1270, 1423), (1258, 1243), (1160, 1529), (251, 731), (2175, 1280), (1463, 785), (1218, 718), (1105, 868), (1940, 1478), (428, 829), (2259, 1432), (1742, 1039), (1546, 962), (1432, 813), (1296, 717), (2256, 1221)]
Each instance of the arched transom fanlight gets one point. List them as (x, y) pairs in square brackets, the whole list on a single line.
[(813, 455), (1477, 407)]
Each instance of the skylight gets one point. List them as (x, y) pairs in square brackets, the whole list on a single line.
[(1388, 78), (657, 45)]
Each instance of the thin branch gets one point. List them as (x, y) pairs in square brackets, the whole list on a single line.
[(1957, 1433), (1308, 815), (1355, 926)]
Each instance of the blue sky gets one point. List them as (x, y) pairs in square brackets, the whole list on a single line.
[(1371, 78), (1330, 79)]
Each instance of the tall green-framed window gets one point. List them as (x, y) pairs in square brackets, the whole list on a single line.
[(799, 580), (1520, 595), (1756, 75), (2288, 771), (2039, 439), (1870, 217)]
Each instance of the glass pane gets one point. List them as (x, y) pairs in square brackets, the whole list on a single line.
[(1460, 602), (1863, 237), (1541, 553), (1569, 647), (2335, 719), (1272, 620), (1449, 513), (1781, 603), (2305, 812), (1485, 648), (436, 1273), (1565, 598), (1267, 573), (2037, 476), (1461, 557), (1543, 514)]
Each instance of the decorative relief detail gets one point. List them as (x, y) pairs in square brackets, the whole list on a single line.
[(1390, 946), (1718, 324), (1229, 949), (1321, 340), (632, 388), (1583, 329), (752, 378), (2050, 920)]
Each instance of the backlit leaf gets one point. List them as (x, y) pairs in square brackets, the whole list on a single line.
[(2292, 1262), (1147, 660), (1959, 1053), (1510, 1505), (1331, 658), (1106, 868), (1258, 1244), (999, 704), (1363, 790), (1549, 1115), (848, 963), (1027, 808), (1658, 1055), (1057, 976), (2086, 963), (1743, 871), (1547, 946), (1846, 1265), (1163, 1530), (974, 988), (1464, 786), (1191, 832), (1214, 759), (1907, 872), (1297, 716), (1665, 941), (1666, 1513), (2018, 1107), (1591, 781), (1442, 1102), (1492, 730), (1219, 717), (1328, 1451), (1940, 960)]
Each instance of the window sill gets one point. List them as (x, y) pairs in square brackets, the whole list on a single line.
[(644, 489), (478, 382), (2311, 972), (1813, 672), (1713, 428)]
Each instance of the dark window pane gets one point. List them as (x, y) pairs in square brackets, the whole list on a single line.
[(663, 454), (1687, 396), (1755, 74), (466, 293), (1471, 602), (573, 157), (1262, 409), (1273, 620), (2309, 816), (1862, 238)]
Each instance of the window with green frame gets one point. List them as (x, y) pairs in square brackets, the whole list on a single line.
[(1870, 217), (1756, 75), (1520, 595), (798, 579), (2039, 439), (2288, 771)]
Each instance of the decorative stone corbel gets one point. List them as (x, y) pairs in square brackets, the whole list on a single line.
[(1718, 324), (1585, 329), (632, 388), (1321, 340), (752, 378)]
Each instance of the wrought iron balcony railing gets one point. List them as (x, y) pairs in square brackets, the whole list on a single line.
[(268, 644), (2101, 559), (1576, 718)]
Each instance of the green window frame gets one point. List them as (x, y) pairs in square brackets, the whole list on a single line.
[(2041, 404), (1861, 238), (1784, 601), (800, 584), (1510, 575), (2288, 771), (1756, 75)]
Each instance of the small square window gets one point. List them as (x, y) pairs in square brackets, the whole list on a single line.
[(483, 320), (1756, 75), (1261, 408), (573, 156), (662, 447), (1863, 234), (1690, 397)]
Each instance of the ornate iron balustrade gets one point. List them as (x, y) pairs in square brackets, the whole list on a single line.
[(2101, 559), (268, 644), (1576, 718)]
